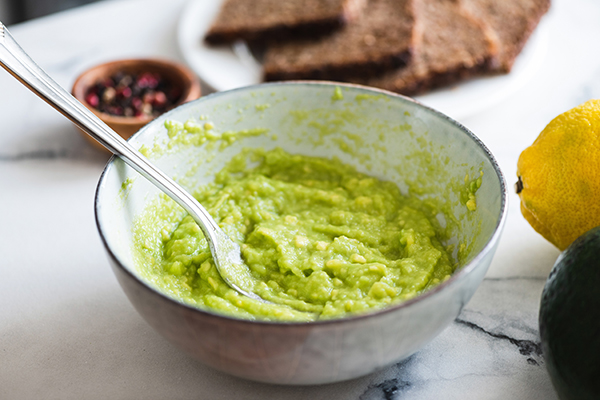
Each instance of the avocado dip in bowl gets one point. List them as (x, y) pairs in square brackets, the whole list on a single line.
[(368, 220)]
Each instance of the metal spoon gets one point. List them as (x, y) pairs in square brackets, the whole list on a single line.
[(226, 253)]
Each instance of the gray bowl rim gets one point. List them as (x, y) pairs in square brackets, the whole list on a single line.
[(456, 276)]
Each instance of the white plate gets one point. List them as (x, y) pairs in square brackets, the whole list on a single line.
[(225, 68)]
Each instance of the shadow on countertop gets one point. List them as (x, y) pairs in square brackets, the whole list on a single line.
[(15, 11)]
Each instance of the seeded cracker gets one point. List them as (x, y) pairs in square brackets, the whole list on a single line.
[(263, 20), (513, 21), (380, 39), (453, 45)]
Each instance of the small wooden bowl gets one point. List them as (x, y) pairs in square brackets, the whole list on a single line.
[(177, 74)]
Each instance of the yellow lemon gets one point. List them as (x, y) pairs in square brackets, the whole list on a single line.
[(559, 176)]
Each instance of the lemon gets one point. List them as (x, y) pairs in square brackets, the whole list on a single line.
[(559, 176)]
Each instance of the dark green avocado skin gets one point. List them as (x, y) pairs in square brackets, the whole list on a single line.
[(570, 320)]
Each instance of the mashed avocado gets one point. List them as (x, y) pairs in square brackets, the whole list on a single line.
[(324, 240)]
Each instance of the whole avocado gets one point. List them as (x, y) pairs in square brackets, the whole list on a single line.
[(570, 320)]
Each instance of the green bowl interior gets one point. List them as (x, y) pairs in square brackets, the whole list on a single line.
[(384, 135)]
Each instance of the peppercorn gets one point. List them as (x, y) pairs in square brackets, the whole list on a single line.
[(140, 95)]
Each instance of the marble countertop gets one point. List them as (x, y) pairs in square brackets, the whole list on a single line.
[(68, 331)]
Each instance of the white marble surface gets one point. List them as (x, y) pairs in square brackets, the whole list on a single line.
[(68, 332)]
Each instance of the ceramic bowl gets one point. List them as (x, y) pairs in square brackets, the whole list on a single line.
[(180, 76), (383, 134)]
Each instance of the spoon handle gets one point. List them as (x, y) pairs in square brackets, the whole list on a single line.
[(226, 253), (18, 63)]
